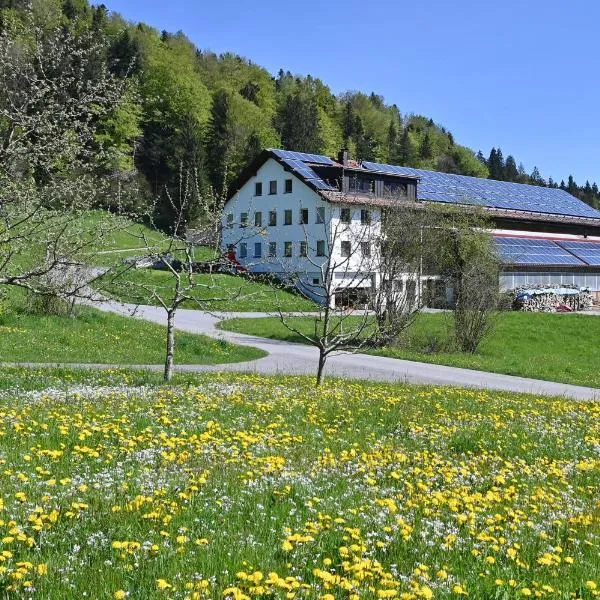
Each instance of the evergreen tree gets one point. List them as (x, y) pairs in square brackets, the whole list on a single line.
[(536, 178), (511, 173), (406, 150), (299, 122), (348, 123), (426, 148), (219, 140), (481, 158), (124, 55), (392, 142), (588, 194), (571, 186), (253, 147)]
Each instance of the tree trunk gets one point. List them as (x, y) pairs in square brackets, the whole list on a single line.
[(321, 368), (170, 345)]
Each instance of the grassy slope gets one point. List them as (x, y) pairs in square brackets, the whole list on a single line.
[(125, 240), (229, 293), (387, 491), (543, 346), (97, 337)]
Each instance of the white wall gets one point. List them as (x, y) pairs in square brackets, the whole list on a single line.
[(333, 232)]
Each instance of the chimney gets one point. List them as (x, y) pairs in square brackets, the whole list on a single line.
[(343, 156)]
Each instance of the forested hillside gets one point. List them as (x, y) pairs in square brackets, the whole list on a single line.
[(213, 113)]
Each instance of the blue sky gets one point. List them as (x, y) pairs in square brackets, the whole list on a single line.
[(519, 75)]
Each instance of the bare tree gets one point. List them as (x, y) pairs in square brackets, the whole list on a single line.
[(404, 260), (191, 279), (467, 258), (54, 92), (336, 266)]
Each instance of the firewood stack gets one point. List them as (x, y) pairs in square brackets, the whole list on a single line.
[(566, 298)]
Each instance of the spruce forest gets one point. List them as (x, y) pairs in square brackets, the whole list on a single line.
[(212, 114)]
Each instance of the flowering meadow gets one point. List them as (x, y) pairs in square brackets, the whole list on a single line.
[(239, 486)]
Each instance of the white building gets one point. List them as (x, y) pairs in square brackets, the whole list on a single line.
[(289, 211)]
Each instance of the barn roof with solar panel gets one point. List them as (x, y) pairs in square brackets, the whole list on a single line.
[(325, 175), (542, 235)]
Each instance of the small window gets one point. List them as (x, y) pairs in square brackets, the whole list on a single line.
[(272, 249), (287, 249), (258, 188), (244, 219), (365, 248), (346, 249), (345, 215), (321, 248), (258, 219), (304, 216), (320, 215), (288, 186), (303, 249), (365, 216), (243, 250), (316, 281), (272, 187), (229, 220), (257, 250), (272, 218), (287, 217)]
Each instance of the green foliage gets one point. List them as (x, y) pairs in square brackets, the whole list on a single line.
[(522, 344), (38, 334), (213, 113)]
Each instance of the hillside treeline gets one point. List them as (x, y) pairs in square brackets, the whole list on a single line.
[(214, 113)]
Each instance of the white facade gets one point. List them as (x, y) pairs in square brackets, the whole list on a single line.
[(288, 229)]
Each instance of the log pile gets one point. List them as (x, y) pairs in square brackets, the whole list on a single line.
[(566, 298)]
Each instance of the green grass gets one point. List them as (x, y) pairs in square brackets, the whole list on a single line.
[(553, 347), (99, 337), (220, 292), (234, 486)]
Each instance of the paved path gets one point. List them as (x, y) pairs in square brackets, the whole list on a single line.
[(285, 357)]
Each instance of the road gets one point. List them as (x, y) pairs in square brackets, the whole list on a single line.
[(298, 359)]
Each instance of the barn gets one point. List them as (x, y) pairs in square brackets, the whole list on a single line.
[(285, 201)]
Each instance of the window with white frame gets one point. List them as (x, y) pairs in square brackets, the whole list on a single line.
[(272, 249), (287, 249), (346, 249), (257, 249)]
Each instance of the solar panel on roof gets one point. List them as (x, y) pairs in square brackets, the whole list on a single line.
[(461, 189), (303, 156), (589, 252), (529, 251), (308, 174)]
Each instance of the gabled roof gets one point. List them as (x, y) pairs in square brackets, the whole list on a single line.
[(502, 198)]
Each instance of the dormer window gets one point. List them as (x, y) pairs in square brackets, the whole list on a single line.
[(362, 185), (394, 189)]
